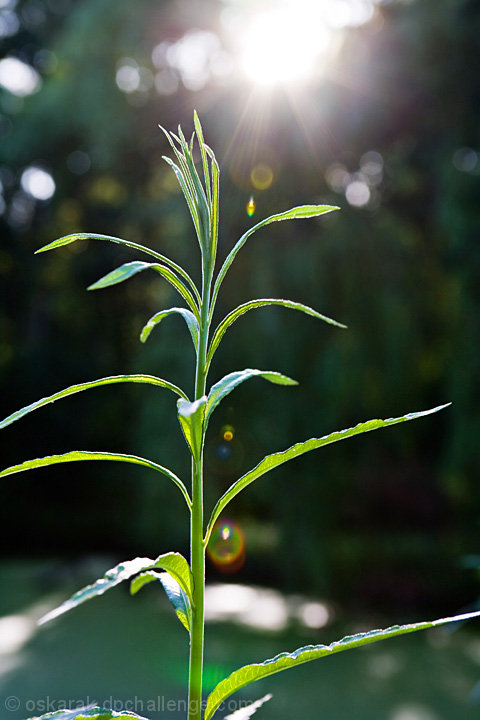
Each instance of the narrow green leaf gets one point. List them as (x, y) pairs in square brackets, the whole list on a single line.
[(215, 205), (304, 211), (89, 713), (127, 270), (176, 565), (178, 598), (68, 239), (114, 576), (188, 316), (251, 673), (244, 713), (200, 197), (198, 128), (191, 416), (252, 305), (272, 461), (147, 379), (181, 171), (77, 455), (228, 383), (188, 193)]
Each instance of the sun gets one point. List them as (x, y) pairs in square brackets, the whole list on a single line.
[(291, 41), (283, 45)]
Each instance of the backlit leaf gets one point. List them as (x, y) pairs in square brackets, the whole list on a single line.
[(188, 316), (191, 417), (114, 576), (176, 565), (303, 211), (188, 192), (228, 383), (127, 270), (178, 598), (80, 455), (252, 305), (172, 562), (89, 713), (147, 379), (201, 143), (68, 239), (272, 461), (251, 673)]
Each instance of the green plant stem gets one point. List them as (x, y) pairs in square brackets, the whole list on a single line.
[(198, 572), (197, 547)]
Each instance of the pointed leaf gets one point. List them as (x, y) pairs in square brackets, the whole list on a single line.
[(114, 576), (225, 386), (188, 316), (188, 193), (244, 713), (148, 379), (191, 416), (272, 461), (251, 673), (77, 455), (304, 211), (215, 206), (176, 565), (68, 239), (200, 197), (127, 270), (89, 713), (198, 128), (178, 598), (252, 305)]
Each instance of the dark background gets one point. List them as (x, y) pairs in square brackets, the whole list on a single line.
[(383, 521)]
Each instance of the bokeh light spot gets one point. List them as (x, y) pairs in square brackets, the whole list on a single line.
[(38, 183), (130, 77), (314, 614), (18, 77), (358, 193), (465, 159), (192, 56), (9, 23), (261, 176), (226, 548)]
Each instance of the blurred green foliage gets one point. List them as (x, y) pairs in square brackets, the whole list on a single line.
[(384, 520)]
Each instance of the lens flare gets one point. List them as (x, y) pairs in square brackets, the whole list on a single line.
[(228, 432), (261, 176), (251, 206), (226, 548)]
